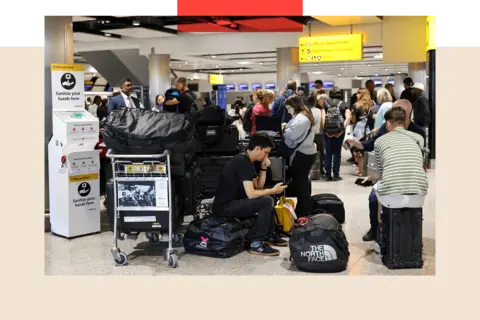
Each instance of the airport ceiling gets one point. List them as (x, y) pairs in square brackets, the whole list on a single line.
[(117, 28)]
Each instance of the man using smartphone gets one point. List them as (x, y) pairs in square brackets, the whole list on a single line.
[(240, 194)]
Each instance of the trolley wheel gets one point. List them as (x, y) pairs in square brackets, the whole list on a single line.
[(173, 261), (177, 240), (154, 238), (121, 259)]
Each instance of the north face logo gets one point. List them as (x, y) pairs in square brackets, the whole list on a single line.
[(320, 253), (203, 244)]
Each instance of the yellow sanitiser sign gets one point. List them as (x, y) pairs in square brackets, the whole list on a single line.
[(331, 48)]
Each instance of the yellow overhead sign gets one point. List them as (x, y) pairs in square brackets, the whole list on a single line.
[(431, 33), (331, 48), (216, 79)]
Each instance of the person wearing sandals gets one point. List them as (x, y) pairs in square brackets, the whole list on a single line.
[(362, 130)]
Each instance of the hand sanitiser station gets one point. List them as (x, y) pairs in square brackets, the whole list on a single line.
[(73, 162)]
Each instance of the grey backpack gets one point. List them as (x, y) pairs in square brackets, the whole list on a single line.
[(333, 118)]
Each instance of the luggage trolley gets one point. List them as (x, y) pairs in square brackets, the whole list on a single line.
[(144, 201)]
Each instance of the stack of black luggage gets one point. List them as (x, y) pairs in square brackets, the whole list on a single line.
[(217, 143)]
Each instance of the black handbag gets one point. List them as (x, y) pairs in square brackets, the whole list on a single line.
[(286, 151)]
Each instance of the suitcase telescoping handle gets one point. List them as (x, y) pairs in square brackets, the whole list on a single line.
[(111, 155)]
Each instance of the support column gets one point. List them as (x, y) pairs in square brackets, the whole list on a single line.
[(158, 74), (418, 72), (398, 87), (431, 83), (288, 67), (58, 49)]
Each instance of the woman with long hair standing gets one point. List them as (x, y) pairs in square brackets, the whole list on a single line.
[(362, 130), (299, 130), (263, 99)]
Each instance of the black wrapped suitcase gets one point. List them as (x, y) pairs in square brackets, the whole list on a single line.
[(330, 204), (400, 238), (210, 172), (217, 140)]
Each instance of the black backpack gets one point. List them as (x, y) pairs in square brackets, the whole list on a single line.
[(333, 118), (318, 244), (247, 120)]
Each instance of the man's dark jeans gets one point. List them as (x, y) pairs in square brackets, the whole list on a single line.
[(333, 152), (245, 208), (373, 207)]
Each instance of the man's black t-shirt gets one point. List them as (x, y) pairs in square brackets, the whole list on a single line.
[(407, 94), (187, 102), (230, 187)]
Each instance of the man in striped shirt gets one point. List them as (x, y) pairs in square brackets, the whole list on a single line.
[(402, 180)]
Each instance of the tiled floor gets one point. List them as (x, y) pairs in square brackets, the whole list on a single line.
[(91, 255)]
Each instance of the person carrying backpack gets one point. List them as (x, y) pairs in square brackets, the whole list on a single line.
[(335, 119)]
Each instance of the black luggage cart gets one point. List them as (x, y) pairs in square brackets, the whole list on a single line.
[(142, 202)]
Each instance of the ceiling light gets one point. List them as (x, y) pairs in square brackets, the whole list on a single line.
[(107, 34), (369, 65), (376, 75), (261, 62), (243, 62), (186, 62), (341, 69), (136, 23), (386, 69), (340, 74), (214, 56), (378, 56), (361, 71), (241, 68), (216, 66), (399, 72)]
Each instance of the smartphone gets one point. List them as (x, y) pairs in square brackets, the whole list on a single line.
[(368, 183), (287, 182)]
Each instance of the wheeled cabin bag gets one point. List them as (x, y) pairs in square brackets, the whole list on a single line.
[(318, 244), (400, 238), (330, 204), (215, 237)]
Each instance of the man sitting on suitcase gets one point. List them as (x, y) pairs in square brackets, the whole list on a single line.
[(240, 194), (368, 146), (402, 180)]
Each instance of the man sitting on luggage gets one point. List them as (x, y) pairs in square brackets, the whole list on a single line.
[(402, 180), (368, 146), (240, 194)]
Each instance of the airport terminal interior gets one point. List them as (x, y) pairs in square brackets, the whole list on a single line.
[(231, 64)]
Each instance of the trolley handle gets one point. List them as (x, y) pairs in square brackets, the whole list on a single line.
[(111, 155)]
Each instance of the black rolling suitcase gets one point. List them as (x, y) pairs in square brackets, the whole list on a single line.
[(331, 204), (400, 238), (217, 140)]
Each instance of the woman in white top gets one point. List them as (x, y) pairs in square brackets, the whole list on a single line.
[(299, 132), (317, 170), (238, 111), (385, 100), (97, 101)]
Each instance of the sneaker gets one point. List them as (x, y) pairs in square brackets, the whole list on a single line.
[(264, 250), (376, 248), (338, 178), (370, 236), (277, 241), (328, 178)]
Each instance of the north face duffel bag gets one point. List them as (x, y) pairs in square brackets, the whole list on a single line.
[(318, 244)]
